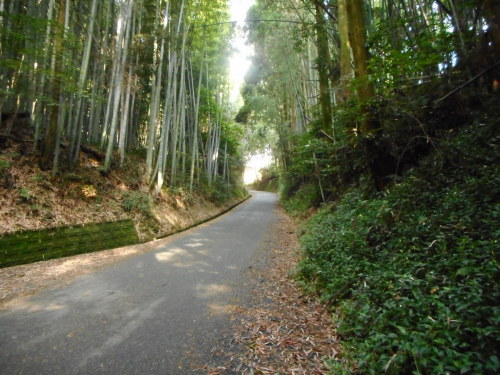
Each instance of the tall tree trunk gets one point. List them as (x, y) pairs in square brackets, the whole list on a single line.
[(196, 106), (38, 103), (323, 66), (121, 54), (177, 100), (155, 98), (381, 164), (93, 113), (175, 126), (102, 65), (224, 165), (357, 37), (125, 114), (60, 124), (345, 50), (166, 124), (82, 81), (49, 148)]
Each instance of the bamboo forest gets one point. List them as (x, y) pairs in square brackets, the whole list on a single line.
[(378, 121)]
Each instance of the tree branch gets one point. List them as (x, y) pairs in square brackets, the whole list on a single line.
[(468, 82), (445, 8), (327, 11)]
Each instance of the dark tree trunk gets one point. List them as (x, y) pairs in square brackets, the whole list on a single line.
[(381, 164), (323, 65), (49, 145)]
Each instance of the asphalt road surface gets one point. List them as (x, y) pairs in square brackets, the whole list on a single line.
[(160, 312)]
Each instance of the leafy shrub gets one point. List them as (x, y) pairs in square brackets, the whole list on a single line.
[(89, 191), (38, 177), (335, 161), (4, 165), (218, 192), (25, 194), (269, 179), (181, 193), (307, 196), (137, 201), (240, 192), (413, 271)]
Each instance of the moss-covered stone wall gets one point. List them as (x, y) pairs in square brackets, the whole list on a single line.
[(31, 246)]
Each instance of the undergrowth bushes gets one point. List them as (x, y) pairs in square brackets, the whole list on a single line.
[(307, 196), (138, 201), (220, 192), (269, 179), (413, 272)]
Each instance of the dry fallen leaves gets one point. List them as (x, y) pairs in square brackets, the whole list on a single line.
[(285, 331)]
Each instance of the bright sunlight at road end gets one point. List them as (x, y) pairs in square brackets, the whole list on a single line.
[(240, 59), (239, 64), (254, 164)]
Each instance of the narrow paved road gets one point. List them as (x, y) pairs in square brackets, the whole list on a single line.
[(161, 312)]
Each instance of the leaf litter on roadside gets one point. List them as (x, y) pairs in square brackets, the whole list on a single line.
[(284, 331)]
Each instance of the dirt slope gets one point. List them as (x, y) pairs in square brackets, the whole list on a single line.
[(32, 199)]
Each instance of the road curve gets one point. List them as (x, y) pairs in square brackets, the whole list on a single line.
[(160, 312)]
